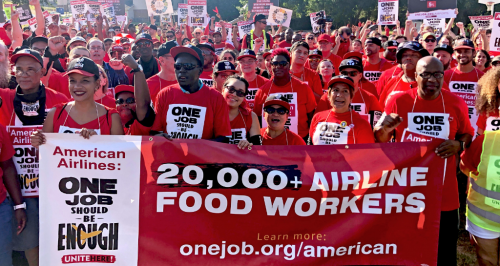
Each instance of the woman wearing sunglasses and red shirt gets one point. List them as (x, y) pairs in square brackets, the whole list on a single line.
[(276, 112)]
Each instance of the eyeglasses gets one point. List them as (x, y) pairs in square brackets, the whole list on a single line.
[(130, 100), (197, 33), (279, 63), (186, 66), (436, 75), (170, 36), (430, 40), (496, 63), (205, 52), (232, 90), (144, 44), (349, 73), (270, 110), (29, 72), (263, 22), (310, 38)]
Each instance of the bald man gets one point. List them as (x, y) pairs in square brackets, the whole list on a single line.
[(426, 113)]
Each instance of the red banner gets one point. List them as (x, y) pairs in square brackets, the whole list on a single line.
[(205, 203)]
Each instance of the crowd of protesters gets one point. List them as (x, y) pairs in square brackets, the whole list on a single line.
[(353, 85)]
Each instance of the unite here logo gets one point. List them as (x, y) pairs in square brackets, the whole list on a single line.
[(431, 4)]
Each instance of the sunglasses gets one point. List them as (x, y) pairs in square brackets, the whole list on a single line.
[(314, 59), (130, 100), (349, 73), (144, 44), (279, 63), (496, 63), (310, 38), (270, 110), (263, 21), (430, 40), (232, 90), (170, 36), (186, 66)]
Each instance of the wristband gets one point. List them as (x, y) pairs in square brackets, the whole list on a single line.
[(20, 206)]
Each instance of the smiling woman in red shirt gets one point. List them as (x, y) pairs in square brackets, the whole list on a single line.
[(82, 116), (276, 111), (340, 124)]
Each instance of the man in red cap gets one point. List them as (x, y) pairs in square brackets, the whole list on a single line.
[(190, 109), (325, 46), (248, 63), (259, 32), (373, 65), (463, 78)]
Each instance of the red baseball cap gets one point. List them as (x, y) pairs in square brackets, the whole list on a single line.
[(278, 100), (342, 79), (354, 54), (325, 37), (123, 88)]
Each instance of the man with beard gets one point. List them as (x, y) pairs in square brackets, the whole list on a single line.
[(430, 100), (300, 54), (209, 56), (288, 39), (463, 78), (390, 49), (408, 55), (296, 92), (373, 65), (28, 105), (444, 53), (204, 109), (166, 76), (5, 75), (114, 70), (149, 64), (429, 42)]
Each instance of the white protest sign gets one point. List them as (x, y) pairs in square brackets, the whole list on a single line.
[(197, 12), (229, 30), (32, 23), (439, 24), (485, 22), (78, 9), (495, 36), (279, 16), (108, 10), (182, 12), (159, 7), (244, 27), (314, 21), (388, 12), (93, 8)]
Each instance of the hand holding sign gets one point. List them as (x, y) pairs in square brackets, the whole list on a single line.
[(14, 15), (37, 138), (391, 122), (34, 2)]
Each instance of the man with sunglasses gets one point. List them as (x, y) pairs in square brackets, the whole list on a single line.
[(191, 109), (424, 113), (209, 57), (150, 65), (463, 78), (166, 76), (429, 42), (297, 93), (222, 70), (300, 54), (248, 63), (276, 113), (167, 35), (373, 65), (259, 31), (315, 56), (495, 62)]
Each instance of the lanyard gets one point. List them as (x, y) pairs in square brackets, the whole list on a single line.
[(97, 112)]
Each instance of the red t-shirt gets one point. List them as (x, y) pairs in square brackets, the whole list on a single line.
[(7, 114), (284, 44), (253, 87), (388, 75), (489, 122), (156, 84), (7, 151), (448, 123), (311, 78), (300, 97), (471, 157), (200, 115), (285, 138), (137, 129), (59, 83), (107, 101), (206, 78), (106, 58), (372, 72), (336, 60), (240, 126), (328, 128), (64, 123), (343, 49)]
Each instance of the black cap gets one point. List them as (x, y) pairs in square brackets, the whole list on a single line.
[(444, 47), (247, 53), (463, 43), (374, 40), (143, 36), (390, 44), (258, 17), (188, 49), (153, 27), (84, 66), (207, 45), (39, 39), (29, 53), (224, 66), (315, 52), (351, 63), (165, 47), (414, 46)]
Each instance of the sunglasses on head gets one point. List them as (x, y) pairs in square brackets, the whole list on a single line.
[(349, 73), (232, 90), (279, 63), (130, 100), (270, 110), (430, 40), (186, 66)]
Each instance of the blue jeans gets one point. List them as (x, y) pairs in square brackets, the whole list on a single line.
[(6, 216)]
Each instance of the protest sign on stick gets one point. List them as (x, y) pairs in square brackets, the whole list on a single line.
[(279, 16), (388, 11)]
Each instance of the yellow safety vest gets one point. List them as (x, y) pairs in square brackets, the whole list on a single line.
[(483, 201)]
